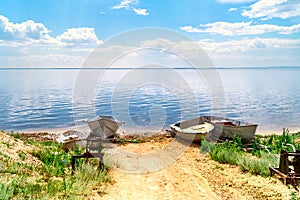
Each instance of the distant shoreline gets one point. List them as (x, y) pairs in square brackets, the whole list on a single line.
[(148, 68), (134, 131)]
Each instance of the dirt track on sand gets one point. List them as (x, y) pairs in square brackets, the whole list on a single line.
[(191, 176), (172, 182)]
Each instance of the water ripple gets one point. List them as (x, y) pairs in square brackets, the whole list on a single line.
[(43, 99)]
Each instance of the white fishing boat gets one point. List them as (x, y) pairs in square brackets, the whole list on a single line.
[(192, 130)]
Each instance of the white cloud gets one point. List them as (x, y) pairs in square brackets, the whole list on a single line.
[(29, 44), (28, 54), (232, 9), (124, 4), (79, 37), (129, 5), (235, 1), (242, 45), (28, 30), (268, 9), (266, 51), (245, 52), (37, 33), (248, 44), (140, 11), (240, 28)]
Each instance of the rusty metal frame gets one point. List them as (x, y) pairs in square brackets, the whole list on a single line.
[(288, 174)]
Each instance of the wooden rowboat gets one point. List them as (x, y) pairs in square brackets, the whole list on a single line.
[(213, 127), (191, 130), (104, 126), (225, 128)]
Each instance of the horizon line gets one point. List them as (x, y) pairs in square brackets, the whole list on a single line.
[(126, 68)]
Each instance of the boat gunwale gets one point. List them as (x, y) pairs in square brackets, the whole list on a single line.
[(227, 119), (188, 133), (236, 126), (207, 119)]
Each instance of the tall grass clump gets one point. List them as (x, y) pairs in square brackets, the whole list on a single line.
[(87, 176), (226, 153), (276, 143), (258, 166), (232, 153)]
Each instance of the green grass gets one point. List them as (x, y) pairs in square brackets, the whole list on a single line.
[(52, 179), (15, 135), (126, 141), (232, 153), (259, 161), (295, 196), (276, 143), (258, 166)]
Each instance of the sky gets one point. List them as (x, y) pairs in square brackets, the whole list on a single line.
[(233, 33)]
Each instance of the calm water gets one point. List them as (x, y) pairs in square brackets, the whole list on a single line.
[(46, 99)]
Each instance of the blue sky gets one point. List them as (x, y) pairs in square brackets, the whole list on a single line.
[(62, 33)]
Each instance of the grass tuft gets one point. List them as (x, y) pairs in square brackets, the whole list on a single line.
[(232, 153)]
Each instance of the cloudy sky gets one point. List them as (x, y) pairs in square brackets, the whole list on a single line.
[(237, 33)]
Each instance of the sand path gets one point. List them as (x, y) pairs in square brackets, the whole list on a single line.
[(191, 176), (180, 180)]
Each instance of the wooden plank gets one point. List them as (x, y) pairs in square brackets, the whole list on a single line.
[(276, 170), (286, 178), (284, 162), (293, 154)]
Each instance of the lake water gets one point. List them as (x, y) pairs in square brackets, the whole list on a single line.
[(148, 98)]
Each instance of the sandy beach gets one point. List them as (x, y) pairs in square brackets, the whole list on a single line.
[(276, 131), (191, 176), (149, 131), (188, 175)]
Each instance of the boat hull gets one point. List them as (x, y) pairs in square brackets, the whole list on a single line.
[(244, 132), (190, 137), (214, 127), (104, 126), (228, 128), (191, 130)]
